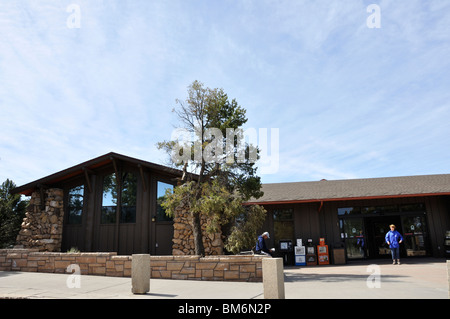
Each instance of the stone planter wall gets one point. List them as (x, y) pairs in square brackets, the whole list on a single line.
[(183, 238), (43, 225), (220, 268)]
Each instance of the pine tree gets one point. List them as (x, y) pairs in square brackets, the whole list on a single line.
[(12, 212), (219, 168)]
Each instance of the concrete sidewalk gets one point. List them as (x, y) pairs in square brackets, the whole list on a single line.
[(423, 278)]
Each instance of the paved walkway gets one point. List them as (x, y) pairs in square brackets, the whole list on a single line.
[(414, 279)]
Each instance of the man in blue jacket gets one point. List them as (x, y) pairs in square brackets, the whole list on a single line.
[(394, 239), (261, 245)]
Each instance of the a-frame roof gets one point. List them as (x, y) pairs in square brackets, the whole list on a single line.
[(91, 165)]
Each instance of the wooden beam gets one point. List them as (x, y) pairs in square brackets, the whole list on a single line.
[(144, 184), (116, 171), (119, 203), (88, 181), (114, 161)]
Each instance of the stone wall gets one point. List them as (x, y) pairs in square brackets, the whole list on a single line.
[(219, 268), (31, 260), (183, 238), (43, 226), (43, 223)]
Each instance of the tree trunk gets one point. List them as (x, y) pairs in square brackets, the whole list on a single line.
[(198, 238), (196, 221)]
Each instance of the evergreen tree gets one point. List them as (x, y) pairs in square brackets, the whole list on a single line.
[(225, 172), (12, 212)]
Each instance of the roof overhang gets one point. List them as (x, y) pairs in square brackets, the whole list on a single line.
[(90, 165), (321, 200)]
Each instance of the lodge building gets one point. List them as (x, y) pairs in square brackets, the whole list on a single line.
[(108, 204), (356, 214), (112, 203)]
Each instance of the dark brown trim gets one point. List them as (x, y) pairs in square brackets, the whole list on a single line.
[(343, 199), (78, 170), (86, 176), (144, 184)]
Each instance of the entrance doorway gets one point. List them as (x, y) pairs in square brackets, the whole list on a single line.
[(377, 227), (363, 230)]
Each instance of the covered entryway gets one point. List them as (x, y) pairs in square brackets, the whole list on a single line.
[(363, 230), (377, 227)]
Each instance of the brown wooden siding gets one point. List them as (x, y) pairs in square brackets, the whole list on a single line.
[(123, 238), (312, 223)]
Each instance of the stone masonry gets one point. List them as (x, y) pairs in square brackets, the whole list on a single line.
[(183, 238), (43, 224), (211, 268)]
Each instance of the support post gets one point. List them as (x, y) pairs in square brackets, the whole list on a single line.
[(448, 277), (273, 278), (140, 273)]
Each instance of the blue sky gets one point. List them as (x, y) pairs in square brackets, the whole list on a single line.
[(349, 101)]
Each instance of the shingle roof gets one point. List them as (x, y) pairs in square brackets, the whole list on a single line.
[(356, 188)]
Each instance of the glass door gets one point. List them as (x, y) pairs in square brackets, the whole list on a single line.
[(377, 228), (380, 247), (415, 235), (283, 225), (352, 232)]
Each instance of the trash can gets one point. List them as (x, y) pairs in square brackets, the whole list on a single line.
[(339, 254)]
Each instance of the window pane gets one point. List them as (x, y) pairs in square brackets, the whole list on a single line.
[(354, 248), (109, 199), (160, 196), (353, 228), (283, 230), (415, 235), (283, 224), (349, 211), (355, 241), (283, 214), (413, 207), (380, 209), (75, 205), (129, 193)]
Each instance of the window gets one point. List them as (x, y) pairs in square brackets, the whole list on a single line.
[(160, 197), (380, 209), (129, 193), (75, 205), (415, 235), (110, 199), (352, 232), (283, 214), (413, 207), (283, 224), (349, 211)]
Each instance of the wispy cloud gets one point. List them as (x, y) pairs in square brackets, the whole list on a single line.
[(349, 101)]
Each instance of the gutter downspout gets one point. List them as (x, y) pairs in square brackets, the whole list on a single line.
[(320, 207)]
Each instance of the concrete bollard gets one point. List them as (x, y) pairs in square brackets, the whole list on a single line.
[(448, 277), (140, 274), (273, 278)]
